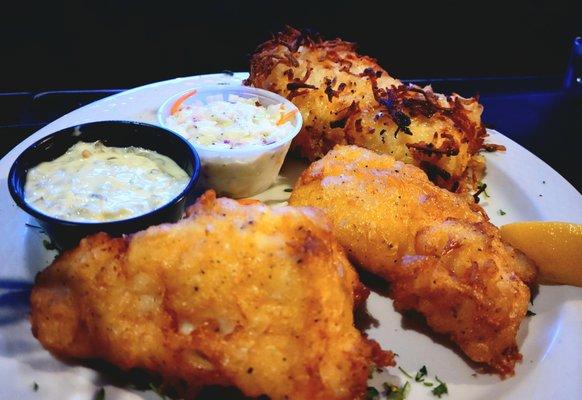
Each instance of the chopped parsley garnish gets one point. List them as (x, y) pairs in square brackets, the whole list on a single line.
[(405, 373), (421, 374), (394, 392), (480, 189), (100, 394), (372, 393), (440, 389), (530, 313), (501, 212), (288, 190), (49, 245), (35, 386), (406, 390)]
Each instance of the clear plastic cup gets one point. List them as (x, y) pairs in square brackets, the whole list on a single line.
[(243, 171)]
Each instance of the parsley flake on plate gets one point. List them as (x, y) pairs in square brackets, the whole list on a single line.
[(421, 374), (440, 389), (405, 373), (372, 393), (394, 392)]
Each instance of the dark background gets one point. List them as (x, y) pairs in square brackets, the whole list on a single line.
[(59, 55), (72, 44)]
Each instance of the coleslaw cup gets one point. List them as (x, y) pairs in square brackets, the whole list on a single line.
[(245, 171)]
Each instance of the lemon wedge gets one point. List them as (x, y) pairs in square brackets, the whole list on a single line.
[(556, 247)]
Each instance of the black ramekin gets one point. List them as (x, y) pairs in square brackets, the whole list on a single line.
[(66, 234)]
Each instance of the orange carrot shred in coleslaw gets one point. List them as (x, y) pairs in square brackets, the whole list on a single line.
[(286, 117), (176, 106)]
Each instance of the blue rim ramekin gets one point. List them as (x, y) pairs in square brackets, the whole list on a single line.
[(66, 234)]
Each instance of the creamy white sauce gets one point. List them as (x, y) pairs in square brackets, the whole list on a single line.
[(93, 183), (231, 124)]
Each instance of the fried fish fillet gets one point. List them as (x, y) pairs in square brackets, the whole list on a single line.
[(440, 253), (243, 295), (347, 98)]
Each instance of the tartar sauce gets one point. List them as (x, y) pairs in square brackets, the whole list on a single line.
[(93, 183), (231, 124)]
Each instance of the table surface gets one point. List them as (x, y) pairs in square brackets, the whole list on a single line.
[(533, 111)]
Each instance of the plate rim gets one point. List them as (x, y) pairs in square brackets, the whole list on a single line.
[(571, 310)]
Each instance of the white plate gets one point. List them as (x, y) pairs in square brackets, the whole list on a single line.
[(518, 182)]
